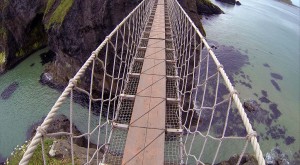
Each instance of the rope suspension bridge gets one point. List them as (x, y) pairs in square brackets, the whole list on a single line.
[(164, 98)]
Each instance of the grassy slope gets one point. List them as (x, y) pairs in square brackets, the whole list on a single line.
[(37, 157)]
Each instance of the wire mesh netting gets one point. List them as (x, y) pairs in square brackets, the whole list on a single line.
[(215, 126), (205, 121)]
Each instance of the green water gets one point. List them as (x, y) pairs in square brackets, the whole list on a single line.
[(29, 103), (268, 32)]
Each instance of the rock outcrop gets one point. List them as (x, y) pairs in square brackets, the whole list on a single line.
[(21, 30), (247, 159), (232, 2), (60, 123), (71, 29)]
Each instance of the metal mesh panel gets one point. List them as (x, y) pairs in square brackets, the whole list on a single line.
[(172, 116), (116, 147), (169, 44), (170, 69), (172, 149), (125, 111), (171, 88), (132, 85), (144, 43), (141, 53), (169, 55), (137, 67)]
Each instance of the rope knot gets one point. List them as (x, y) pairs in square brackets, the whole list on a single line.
[(251, 134), (95, 53), (220, 66), (234, 92), (73, 81), (41, 130)]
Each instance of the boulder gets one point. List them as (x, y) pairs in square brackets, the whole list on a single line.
[(251, 105), (232, 2), (61, 123)]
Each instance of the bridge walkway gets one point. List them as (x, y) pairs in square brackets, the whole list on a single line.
[(144, 105)]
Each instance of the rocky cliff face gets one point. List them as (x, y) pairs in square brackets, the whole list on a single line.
[(82, 29), (71, 28), (21, 30)]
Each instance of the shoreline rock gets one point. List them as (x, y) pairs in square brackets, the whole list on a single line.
[(60, 123)]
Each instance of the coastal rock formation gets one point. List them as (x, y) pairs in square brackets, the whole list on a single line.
[(207, 8), (71, 29), (232, 2), (21, 30), (61, 149), (247, 159), (61, 123)]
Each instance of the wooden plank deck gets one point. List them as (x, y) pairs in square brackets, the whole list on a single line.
[(146, 134)]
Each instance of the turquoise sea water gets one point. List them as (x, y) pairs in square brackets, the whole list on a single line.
[(28, 104), (266, 30), (269, 33)]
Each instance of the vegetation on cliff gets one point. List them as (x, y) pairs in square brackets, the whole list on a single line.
[(2, 58), (37, 157), (58, 16)]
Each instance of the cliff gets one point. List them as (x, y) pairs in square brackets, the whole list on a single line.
[(21, 30), (71, 29)]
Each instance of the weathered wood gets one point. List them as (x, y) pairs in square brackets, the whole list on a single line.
[(146, 134)]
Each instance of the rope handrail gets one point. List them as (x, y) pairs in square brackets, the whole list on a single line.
[(38, 136), (234, 94), (190, 70)]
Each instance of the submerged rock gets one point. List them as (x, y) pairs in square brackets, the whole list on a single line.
[(277, 76), (274, 83), (8, 91), (251, 105), (266, 65), (289, 140), (276, 157)]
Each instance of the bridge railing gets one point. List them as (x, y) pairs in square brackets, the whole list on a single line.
[(107, 69), (213, 118)]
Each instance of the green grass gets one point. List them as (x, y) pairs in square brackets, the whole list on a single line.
[(37, 157), (49, 5), (20, 53), (58, 16), (2, 58)]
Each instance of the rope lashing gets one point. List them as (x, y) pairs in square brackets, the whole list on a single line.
[(41, 130), (251, 134), (197, 82)]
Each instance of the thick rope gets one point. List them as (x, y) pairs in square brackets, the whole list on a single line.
[(41, 131), (130, 31), (185, 22)]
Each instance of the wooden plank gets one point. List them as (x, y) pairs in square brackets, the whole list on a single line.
[(159, 86), (139, 117), (156, 43), (144, 87), (157, 114), (154, 53), (134, 147), (146, 134), (154, 152)]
